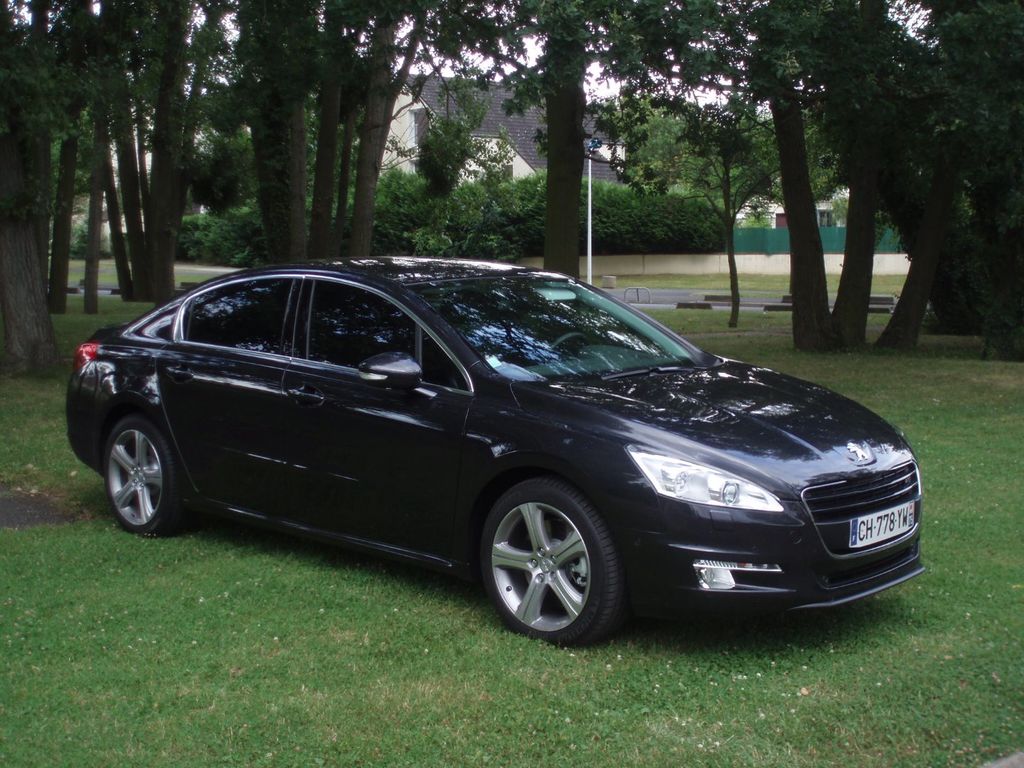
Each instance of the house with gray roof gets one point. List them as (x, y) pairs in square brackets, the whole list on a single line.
[(423, 99)]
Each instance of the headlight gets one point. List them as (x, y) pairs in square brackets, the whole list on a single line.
[(685, 480)]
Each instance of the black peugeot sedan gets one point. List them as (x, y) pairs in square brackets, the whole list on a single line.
[(500, 423)]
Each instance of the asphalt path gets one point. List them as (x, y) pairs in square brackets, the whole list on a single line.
[(24, 510)]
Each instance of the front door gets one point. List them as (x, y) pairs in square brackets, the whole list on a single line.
[(379, 465)]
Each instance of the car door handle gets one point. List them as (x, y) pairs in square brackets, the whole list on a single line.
[(306, 395), (180, 373)]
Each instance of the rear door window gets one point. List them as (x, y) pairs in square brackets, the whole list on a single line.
[(248, 315)]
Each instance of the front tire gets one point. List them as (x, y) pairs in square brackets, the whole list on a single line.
[(141, 478), (550, 566)]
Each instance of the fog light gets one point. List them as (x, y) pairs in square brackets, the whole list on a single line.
[(714, 578), (717, 574)]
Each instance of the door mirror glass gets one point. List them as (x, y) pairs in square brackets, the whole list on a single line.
[(393, 370)]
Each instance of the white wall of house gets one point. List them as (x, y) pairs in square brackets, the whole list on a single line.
[(403, 133), (718, 263)]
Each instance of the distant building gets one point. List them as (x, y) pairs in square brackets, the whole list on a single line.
[(826, 216), (412, 117)]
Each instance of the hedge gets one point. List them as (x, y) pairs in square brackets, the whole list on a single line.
[(507, 221), (502, 221)]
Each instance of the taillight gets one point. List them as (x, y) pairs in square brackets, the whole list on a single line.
[(85, 354)]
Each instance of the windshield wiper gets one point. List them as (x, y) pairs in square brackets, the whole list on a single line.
[(646, 371)]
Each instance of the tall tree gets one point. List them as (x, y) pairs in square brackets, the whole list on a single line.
[(117, 242), (812, 326), (25, 107), (572, 38), (732, 161), (391, 44), (41, 159), (722, 152), (168, 119), (276, 58), (337, 103), (75, 28), (854, 94), (965, 115), (94, 222)]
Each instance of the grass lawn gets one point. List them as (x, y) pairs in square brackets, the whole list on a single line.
[(184, 272), (228, 646)]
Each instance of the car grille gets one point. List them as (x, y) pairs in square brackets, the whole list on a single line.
[(852, 498)]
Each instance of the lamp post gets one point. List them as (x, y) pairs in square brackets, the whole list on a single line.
[(592, 146)]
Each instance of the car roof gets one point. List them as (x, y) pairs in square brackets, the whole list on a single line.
[(408, 270)]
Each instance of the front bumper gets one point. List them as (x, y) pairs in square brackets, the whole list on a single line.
[(664, 583)]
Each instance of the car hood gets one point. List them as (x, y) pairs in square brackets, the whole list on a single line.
[(733, 414)]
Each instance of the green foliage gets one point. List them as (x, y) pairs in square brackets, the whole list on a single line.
[(626, 221), (233, 238), (449, 151), (222, 173), (506, 221), (80, 241)]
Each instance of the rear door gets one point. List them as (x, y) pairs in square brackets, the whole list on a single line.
[(220, 383)]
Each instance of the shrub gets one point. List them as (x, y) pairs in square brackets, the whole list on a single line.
[(480, 219), (506, 221), (232, 239), (626, 221), (80, 241)]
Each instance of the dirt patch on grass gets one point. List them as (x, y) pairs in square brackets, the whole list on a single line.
[(24, 510)]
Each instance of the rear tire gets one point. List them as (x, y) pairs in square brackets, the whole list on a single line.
[(550, 566), (141, 478)]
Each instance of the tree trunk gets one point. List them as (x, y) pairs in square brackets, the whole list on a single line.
[(344, 176), (382, 91), (62, 210), (117, 243), (734, 279), (95, 222), (297, 183), (166, 174), (28, 332), (728, 217), (323, 174), (850, 314), (1004, 324), (564, 105), (812, 327), (128, 170), (143, 167), (42, 169), (270, 152), (904, 326)]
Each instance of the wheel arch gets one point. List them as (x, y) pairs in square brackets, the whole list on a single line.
[(121, 409), (493, 490)]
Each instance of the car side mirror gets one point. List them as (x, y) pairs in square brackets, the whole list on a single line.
[(392, 370)]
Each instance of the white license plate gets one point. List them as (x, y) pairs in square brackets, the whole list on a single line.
[(881, 526)]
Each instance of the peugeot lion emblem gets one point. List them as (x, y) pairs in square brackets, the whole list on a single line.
[(860, 453)]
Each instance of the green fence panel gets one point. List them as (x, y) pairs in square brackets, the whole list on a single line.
[(771, 241), (888, 243)]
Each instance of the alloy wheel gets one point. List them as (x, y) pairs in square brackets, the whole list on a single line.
[(540, 566)]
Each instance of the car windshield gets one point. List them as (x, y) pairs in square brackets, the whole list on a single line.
[(533, 328)]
